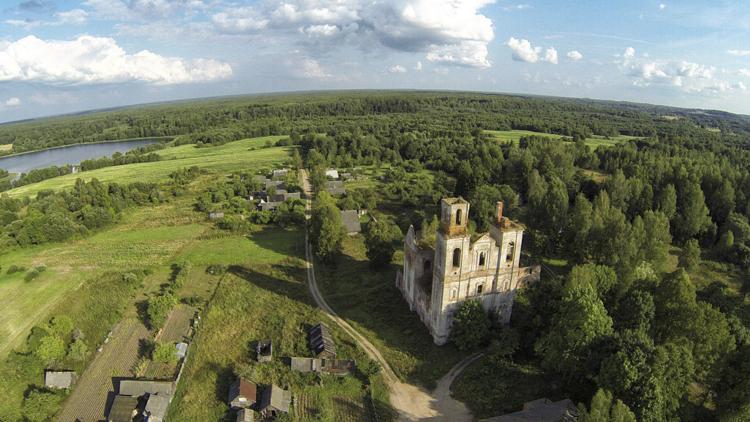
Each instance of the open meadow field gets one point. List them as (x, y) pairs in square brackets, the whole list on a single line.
[(247, 154), (593, 141)]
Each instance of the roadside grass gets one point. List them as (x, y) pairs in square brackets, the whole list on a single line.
[(370, 301), (237, 249), (266, 297), (248, 154), (504, 388)]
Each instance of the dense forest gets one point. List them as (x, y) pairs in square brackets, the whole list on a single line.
[(622, 321)]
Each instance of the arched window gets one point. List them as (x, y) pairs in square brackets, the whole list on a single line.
[(480, 288), (457, 257), (511, 250), (458, 217), (454, 293), (481, 259)]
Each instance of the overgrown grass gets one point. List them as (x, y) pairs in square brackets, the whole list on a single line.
[(265, 298), (492, 387), (593, 141), (370, 301)]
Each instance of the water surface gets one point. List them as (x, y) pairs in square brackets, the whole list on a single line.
[(71, 154)]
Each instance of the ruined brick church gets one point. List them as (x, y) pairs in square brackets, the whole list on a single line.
[(461, 267)]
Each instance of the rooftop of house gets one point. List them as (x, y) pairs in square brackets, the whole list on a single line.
[(350, 219), (243, 388), (157, 405), (276, 397), (59, 379), (122, 408), (137, 388)]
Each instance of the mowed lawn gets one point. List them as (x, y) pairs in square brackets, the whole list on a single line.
[(246, 154), (593, 141)]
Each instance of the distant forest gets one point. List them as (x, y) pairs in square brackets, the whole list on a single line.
[(223, 119)]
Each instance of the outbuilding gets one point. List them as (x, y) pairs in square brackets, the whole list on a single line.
[(242, 394)]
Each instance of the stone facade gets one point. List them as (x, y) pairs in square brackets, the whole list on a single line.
[(461, 267)]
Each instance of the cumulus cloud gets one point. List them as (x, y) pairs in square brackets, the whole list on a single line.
[(70, 17), (91, 60), (523, 51), (550, 55), (418, 66), (739, 53), (447, 31), (397, 69), (662, 6), (574, 55), (744, 72), (140, 9), (680, 74), (13, 101), (309, 69)]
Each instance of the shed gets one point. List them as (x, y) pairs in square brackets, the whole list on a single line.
[(181, 349), (279, 196), (123, 409), (276, 184), (269, 206), (274, 400), (350, 218), (245, 415), (335, 187), (215, 215), (328, 366), (332, 173), (156, 408), (137, 388), (242, 394), (59, 379), (320, 342), (303, 364), (279, 174), (264, 351)]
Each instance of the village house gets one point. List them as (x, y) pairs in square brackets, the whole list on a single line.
[(59, 379), (335, 187), (350, 218), (320, 342), (485, 267), (156, 408), (279, 174), (123, 409), (339, 367), (274, 401), (242, 394)]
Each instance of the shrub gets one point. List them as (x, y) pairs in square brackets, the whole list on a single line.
[(15, 269), (216, 269), (158, 309), (78, 350), (164, 353), (471, 325), (61, 326), (36, 272), (40, 405), (51, 348)]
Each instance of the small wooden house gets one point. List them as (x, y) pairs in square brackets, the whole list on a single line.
[(320, 342), (264, 351), (242, 394), (274, 400)]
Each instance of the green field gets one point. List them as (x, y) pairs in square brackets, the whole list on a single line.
[(245, 154), (593, 141)]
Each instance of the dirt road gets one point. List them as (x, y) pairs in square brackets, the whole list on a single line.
[(412, 403)]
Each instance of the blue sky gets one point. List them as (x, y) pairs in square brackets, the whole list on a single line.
[(70, 55)]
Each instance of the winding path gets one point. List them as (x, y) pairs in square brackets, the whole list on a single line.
[(412, 403)]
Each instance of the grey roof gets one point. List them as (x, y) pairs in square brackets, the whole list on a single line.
[(181, 349), (59, 379), (331, 366), (303, 364), (278, 184), (269, 206), (242, 393), (245, 415), (335, 187), (122, 409), (279, 174), (137, 388), (541, 410), (156, 407), (320, 342), (351, 221), (275, 397)]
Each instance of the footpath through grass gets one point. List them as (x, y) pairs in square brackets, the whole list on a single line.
[(369, 300), (264, 296)]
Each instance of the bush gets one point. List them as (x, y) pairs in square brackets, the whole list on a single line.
[(216, 269), (15, 269), (41, 405), (164, 353), (61, 326), (78, 350), (51, 349), (158, 309), (471, 325)]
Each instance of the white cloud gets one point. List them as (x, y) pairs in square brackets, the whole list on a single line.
[(122, 10), (662, 6), (397, 69), (550, 55), (73, 17), (523, 51), (242, 19), (744, 72), (418, 66), (574, 55), (90, 60), (739, 52), (310, 68), (521, 6), (447, 31), (629, 53), (13, 101)]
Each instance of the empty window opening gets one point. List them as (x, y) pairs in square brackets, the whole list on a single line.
[(458, 217), (481, 259), (511, 251), (456, 257), (454, 293), (480, 288)]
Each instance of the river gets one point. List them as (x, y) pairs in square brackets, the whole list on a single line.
[(71, 154)]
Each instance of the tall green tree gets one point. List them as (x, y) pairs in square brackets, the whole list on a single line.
[(690, 256), (605, 408), (471, 325), (327, 230), (692, 216), (380, 238)]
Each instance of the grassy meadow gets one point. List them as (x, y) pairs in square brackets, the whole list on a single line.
[(593, 141), (254, 153)]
